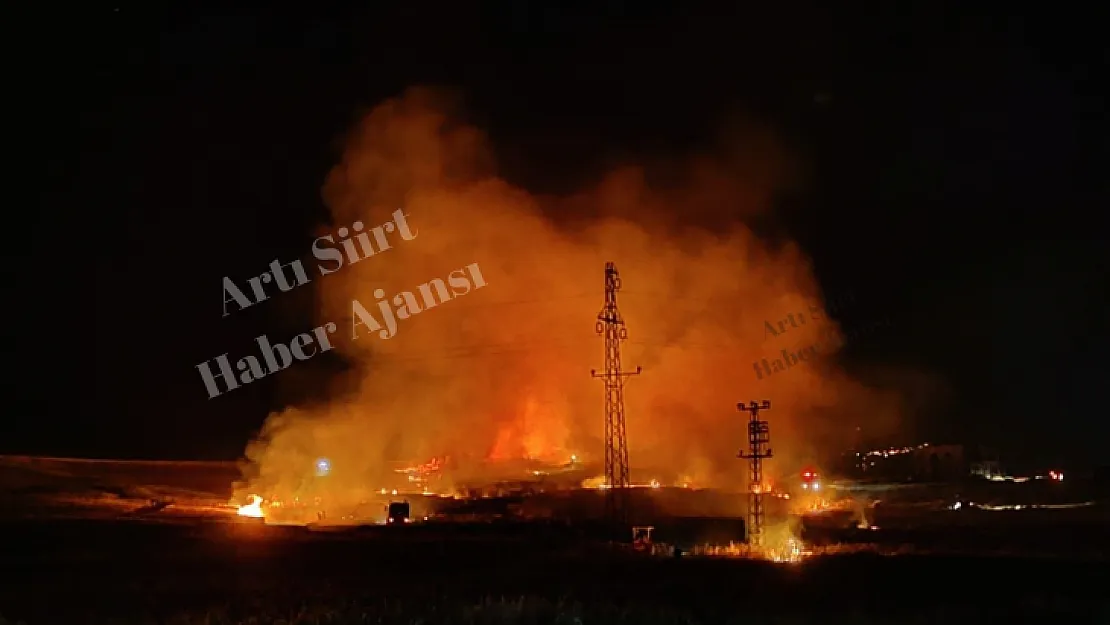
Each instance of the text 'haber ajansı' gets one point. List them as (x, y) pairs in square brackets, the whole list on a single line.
[(279, 356)]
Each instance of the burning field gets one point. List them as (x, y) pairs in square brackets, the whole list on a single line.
[(497, 387), (85, 571), (97, 528), (463, 456)]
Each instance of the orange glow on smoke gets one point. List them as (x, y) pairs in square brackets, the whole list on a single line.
[(503, 373), (508, 444), (536, 433)]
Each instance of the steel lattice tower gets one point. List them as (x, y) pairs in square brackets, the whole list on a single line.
[(759, 437), (611, 325)]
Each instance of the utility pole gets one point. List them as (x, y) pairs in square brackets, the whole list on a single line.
[(611, 325), (759, 436)]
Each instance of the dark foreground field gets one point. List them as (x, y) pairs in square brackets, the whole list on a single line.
[(82, 571)]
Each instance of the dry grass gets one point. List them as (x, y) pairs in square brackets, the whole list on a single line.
[(538, 610)]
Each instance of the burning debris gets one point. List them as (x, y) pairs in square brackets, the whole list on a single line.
[(252, 509)]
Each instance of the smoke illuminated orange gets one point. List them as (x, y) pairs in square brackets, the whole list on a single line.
[(504, 372)]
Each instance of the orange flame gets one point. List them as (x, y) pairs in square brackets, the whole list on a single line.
[(252, 509)]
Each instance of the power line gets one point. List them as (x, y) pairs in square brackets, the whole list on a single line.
[(549, 300), (479, 350)]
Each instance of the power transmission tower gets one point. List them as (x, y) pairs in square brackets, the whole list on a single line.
[(759, 437), (610, 324)]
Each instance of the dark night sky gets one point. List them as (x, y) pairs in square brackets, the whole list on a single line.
[(955, 188)]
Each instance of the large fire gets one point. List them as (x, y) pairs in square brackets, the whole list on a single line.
[(504, 375), (536, 432)]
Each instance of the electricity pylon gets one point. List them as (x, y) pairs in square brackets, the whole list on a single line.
[(759, 437), (611, 325)]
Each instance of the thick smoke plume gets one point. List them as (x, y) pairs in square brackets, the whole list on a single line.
[(504, 372)]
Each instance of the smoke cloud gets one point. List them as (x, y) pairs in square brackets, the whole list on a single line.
[(504, 372)]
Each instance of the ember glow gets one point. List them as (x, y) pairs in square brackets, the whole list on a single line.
[(782, 546), (504, 375)]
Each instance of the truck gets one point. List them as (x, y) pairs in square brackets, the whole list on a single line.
[(398, 513)]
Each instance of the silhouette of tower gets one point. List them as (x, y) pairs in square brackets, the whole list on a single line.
[(611, 325), (759, 436)]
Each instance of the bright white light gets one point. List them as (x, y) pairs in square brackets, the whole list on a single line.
[(816, 486), (323, 467), (253, 509)]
